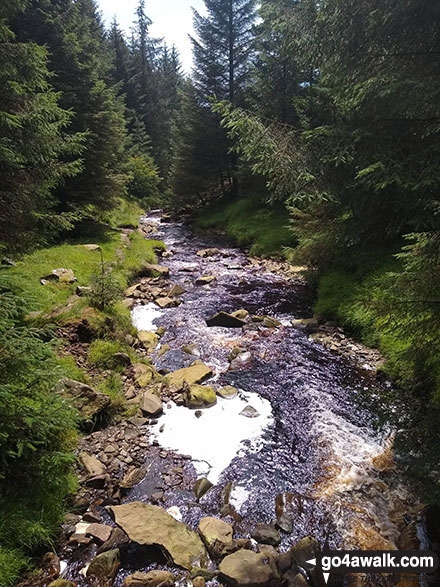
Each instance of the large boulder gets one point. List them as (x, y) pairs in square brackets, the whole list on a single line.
[(245, 568), (195, 373), (60, 275), (152, 579), (216, 534), (200, 396), (151, 525), (86, 400), (151, 405), (225, 320), (105, 566)]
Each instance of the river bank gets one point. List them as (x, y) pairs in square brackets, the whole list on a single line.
[(311, 465)]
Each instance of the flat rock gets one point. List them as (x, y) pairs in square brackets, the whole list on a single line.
[(227, 392), (92, 465), (152, 579), (167, 302), (150, 404), (85, 399), (151, 525), (225, 320), (195, 373), (205, 279), (99, 531), (200, 396), (156, 269), (245, 568), (176, 290), (216, 534)]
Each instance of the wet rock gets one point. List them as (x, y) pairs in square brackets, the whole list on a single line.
[(227, 392), (60, 276), (152, 579), (99, 531), (216, 534), (202, 486), (83, 290), (203, 573), (249, 412), (266, 534), (86, 400), (225, 320), (205, 279), (240, 314), (167, 302), (164, 349), (105, 566), (308, 323), (200, 396), (269, 322), (191, 349), (175, 291), (245, 568), (132, 478), (91, 517), (288, 506), (51, 565), (98, 482), (195, 373), (243, 359), (199, 582), (92, 465), (153, 269), (61, 583), (121, 360), (151, 525), (150, 404), (208, 252), (148, 339), (117, 537)]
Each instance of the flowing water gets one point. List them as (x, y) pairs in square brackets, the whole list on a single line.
[(313, 440)]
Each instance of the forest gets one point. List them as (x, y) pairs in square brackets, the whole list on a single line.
[(307, 132)]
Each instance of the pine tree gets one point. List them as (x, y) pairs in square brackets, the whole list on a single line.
[(36, 154)]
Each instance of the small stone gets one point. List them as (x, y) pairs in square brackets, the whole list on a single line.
[(227, 392), (99, 531), (199, 582), (121, 359), (245, 568), (154, 578), (61, 276), (82, 290), (269, 322), (249, 412), (61, 583), (92, 465), (266, 534), (156, 269), (205, 280), (216, 534), (150, 404), (167, 302), (241, 314), (208, 252), (175, 291), (201, 396), (148, 339), (202, 486)]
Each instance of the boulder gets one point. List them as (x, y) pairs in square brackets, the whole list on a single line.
[(305, 323), (148, 339), (200, 396), (166, 302), (245, 568), (176, 290), (92, 465), (152, 579), (105, 566), (249, 412), (60, 276), (61, 583), (205, 279), (195, 373), (240, 314), (266, 534), (99, 531), (269, 322), (216, 534), (132, 478), (202, 486), (150, 404), (227, 392), (86, 400), (208, 252), (121, 360), (154, 269), (225, 320), (151, 525)]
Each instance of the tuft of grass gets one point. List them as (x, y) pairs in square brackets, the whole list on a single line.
[(250, 224), (12, 564), (113, 387), (70, 370), (101, 353)]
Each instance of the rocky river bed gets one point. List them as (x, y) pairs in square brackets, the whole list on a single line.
[(254, 447)]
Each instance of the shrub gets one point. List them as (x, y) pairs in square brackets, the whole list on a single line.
[(144, 180)]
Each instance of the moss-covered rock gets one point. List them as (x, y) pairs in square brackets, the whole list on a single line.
[(200, 396)]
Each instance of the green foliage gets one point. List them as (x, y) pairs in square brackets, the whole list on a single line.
[(101, 353), (144, 180), (114, 388), (125, 214), (250, 223), (36, 438), (105, 288), (12, 564), (139, 252)]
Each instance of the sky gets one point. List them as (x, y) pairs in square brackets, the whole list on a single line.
[(172, 20)]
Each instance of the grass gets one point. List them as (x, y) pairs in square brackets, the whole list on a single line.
[(101, 353), (126, 214), (250, 224)]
